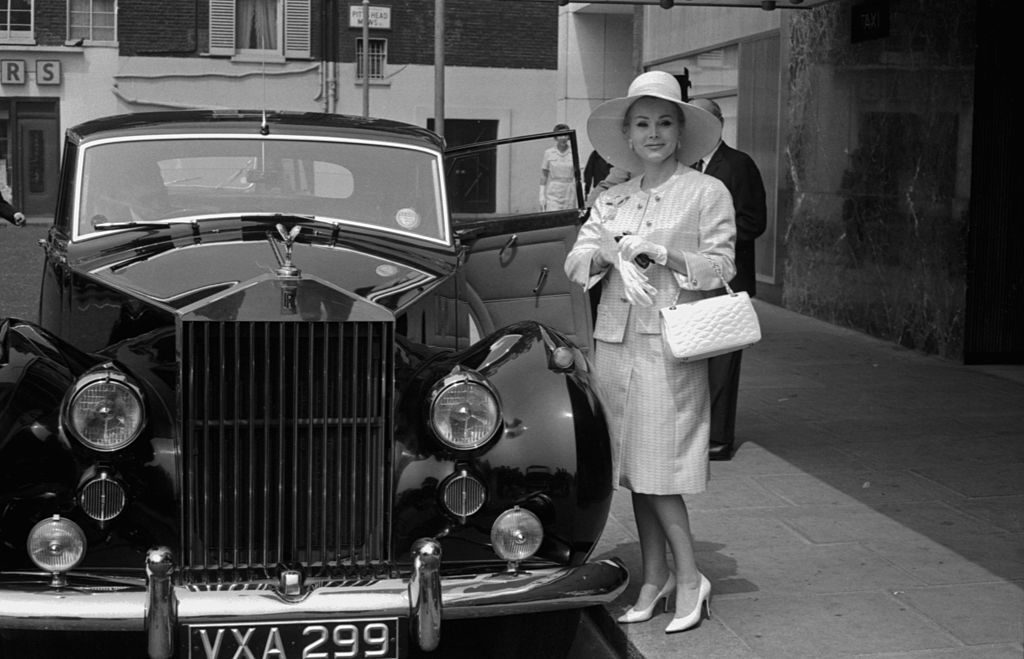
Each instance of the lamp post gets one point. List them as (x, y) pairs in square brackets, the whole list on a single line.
[(366, 58), (439, 67)]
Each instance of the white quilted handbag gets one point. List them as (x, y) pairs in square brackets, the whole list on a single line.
[(711, 326)]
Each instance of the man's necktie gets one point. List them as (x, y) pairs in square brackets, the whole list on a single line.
[(699, 166)]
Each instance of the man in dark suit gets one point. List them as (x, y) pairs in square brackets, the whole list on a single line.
[(741, 176)]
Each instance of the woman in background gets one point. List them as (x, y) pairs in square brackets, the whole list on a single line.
[(557, 176)]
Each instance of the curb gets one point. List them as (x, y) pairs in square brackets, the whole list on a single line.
[(600, 637)]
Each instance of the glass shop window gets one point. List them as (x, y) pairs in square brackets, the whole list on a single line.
[(16, 21), (92, 20)]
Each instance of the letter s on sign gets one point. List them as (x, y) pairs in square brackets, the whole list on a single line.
[(48, 72)]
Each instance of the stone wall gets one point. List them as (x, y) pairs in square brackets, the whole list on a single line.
[(879, 148)]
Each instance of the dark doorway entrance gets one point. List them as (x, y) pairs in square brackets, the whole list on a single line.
[(30, 153)]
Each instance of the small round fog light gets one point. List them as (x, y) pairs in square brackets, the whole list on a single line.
[(56, 544), (516, 534)]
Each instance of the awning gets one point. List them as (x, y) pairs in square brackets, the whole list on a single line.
[(767, 5)]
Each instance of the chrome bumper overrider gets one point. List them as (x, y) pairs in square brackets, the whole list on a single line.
[(157, 607)]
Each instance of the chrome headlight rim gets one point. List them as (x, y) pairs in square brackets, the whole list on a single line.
[(464, 378), (107, 374)]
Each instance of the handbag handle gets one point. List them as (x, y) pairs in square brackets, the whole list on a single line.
[(718, 271), (721, 276)]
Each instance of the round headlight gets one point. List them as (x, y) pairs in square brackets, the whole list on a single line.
[(516, 534), (464, 412), (56, 544), (105, 413)]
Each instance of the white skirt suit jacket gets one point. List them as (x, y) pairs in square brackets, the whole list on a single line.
[(657, 407)]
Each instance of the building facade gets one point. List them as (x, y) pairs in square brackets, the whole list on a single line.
[(67, 61), (862, 116)]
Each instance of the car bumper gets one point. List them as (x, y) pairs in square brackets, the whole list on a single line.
[(158, 608)]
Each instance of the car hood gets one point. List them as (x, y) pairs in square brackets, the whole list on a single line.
[(184, 277)]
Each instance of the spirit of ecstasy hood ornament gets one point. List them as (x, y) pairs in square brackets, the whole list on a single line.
[(286, 268)]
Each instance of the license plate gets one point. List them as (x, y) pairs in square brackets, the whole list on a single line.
[(370, 638)]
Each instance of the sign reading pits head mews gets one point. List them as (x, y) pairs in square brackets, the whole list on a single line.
[(380, 17), (16, 72)]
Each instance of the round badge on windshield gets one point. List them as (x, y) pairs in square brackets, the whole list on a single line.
[(407, 218)]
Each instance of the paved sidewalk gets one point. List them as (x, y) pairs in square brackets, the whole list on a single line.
[(875, 507)]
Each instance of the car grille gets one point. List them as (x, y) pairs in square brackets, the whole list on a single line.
[(287, 448)]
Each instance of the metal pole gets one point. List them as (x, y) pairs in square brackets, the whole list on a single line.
[(366, 58), (439, 67)]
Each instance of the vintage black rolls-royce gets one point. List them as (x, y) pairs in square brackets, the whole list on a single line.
[(283, 401)]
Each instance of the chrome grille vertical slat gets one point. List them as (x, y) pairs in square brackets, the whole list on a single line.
[(287, 446), (314, 421), (293, 513), (268, 416), (236, 459), (340, 451), (251, 439), (280, 446), (369, 388), (206, 506), (379, 381), (221, 441), (353, 461), (325, 414)]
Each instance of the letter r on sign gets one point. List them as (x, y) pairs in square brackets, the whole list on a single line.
[(12, 72)]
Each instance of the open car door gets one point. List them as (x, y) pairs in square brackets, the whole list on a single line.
[(513, 268)]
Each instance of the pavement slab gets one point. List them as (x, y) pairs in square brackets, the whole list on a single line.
[(874, 508)]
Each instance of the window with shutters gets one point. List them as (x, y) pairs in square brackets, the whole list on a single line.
[(378, 58), (260, 28), (16, 21), (92, 20)]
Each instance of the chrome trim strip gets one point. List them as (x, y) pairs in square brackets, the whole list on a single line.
[(482, 596), (425, 594)]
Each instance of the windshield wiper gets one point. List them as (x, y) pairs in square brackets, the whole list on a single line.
[(276, 218), (131, 224)]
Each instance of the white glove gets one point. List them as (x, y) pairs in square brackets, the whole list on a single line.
[(542, 199), (607, 249), (638, 291), (632, 246)]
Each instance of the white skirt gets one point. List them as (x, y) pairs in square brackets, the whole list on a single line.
[(658, 412)]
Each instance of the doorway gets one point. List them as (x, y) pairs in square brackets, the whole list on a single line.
[(30, 154)]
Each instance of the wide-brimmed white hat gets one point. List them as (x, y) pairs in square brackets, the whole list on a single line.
[(701, 129)]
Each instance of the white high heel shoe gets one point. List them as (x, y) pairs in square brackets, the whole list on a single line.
[(641, 615), (693, 618)]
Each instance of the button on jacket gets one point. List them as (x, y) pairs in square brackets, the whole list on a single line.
[(695, 216)]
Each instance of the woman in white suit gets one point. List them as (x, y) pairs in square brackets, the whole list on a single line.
[(665, 235)]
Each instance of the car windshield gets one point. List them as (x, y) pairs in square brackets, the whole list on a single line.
[(391, 187)]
